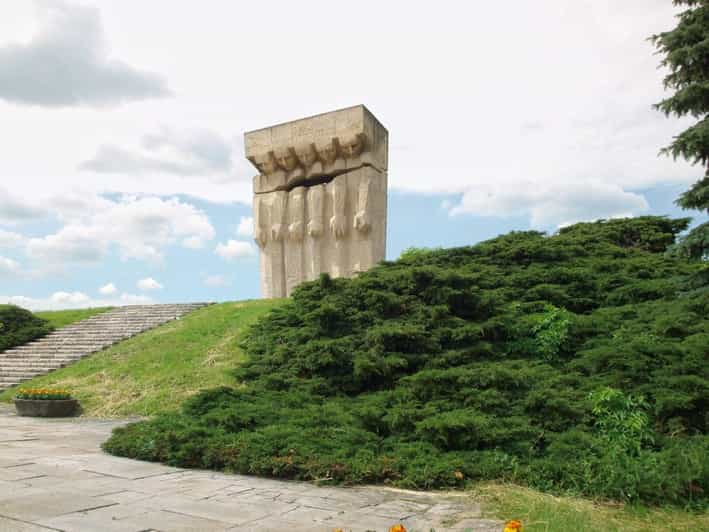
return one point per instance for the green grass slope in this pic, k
(157, 370)
(575, 363)
(62, 318)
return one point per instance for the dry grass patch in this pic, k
(541, 512)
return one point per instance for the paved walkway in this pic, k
(53, 476)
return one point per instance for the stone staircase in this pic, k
(78, 340)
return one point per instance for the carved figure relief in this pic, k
(294, 259)
(337, 190)
(272, 258)
(315, 229)
(362, 225)
(319, 198)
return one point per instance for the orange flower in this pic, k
(397, 528)
(513, 526)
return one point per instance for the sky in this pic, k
(122, 175)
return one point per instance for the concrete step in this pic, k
(66, 345)
(50, 353)
(60, 347)
(16, 378)
(50, 350)
(103, 327)
(39, 366)
(12, 373)
(36, 361)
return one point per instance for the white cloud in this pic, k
(148, 284)
(215, 280)
(184, 153)
(67, 64)
(108, 289)
(14, 210)
(551, 205)
(20, 301)
(235, 249)
(193, 242)
(73, 243)
(63, 300)
(9, 267)
(134, 299)
(138, 227)
(246, 226)
(9, 239)
(524, 111)
(69, 298)
(528, 109)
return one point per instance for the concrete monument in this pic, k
(320, 198)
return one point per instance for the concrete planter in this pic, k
(46, 407)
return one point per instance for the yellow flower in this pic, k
(397, 528)
(513, 526)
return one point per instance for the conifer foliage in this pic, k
(577, 362)
(686, 55)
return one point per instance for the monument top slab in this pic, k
(350, 120)
(342, 134)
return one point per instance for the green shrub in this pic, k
(522, 358)
(19, 326)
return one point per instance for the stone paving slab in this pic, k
(54, 476)
(11, 525)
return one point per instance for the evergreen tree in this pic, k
(686, 55)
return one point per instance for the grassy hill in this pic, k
(156, 371)
(572, 363)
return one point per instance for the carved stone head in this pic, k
(307, 154)
(352, 147)
(287, 159)
(266, 165)
(330, 152)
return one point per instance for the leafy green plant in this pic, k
(551, 332)
(621, 419)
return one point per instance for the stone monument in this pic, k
(320, 198)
